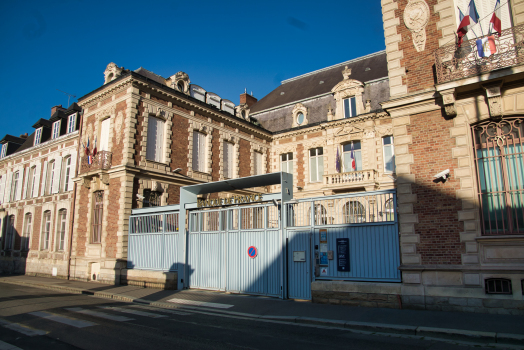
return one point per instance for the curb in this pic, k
(433, 332)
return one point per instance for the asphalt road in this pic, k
(32, 318)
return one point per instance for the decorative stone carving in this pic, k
(86, 182)
(299, 108)
(180, 81)
(119, 120)
(416, 18)
(494, 94)
(112, 72)
(330, 115)
(345, 89)
(368, 106)
(448, 98)
(242, 111)
(104, 178)
(109, 111)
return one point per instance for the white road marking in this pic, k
(176, 312)
(200, 303)
(7, 346)
(22, 329)
(100, 314)
(134, 312)
(62, 319)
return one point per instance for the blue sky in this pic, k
(223, 46)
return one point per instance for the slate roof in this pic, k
(308, 85)
(13, 139)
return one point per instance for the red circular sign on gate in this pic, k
(252, 252)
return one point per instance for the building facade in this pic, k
(412, 155)
(457, 128)
(36, 193)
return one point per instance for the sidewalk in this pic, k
(483, 328)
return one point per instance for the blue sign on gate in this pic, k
(252, 252)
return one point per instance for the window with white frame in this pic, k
(389, 154)
(61, 232)
(46, 230)
(316, 164)
(155, 139)
(71, 123)
(50, 177)
(350, 107)
(352, 156)
(66, 170)
(56, 129)
(229, 165)
(258, 166)
(28, 224)
(3, 152)
(31, 182)
(38, 137)
(199, 151)
(286, 162)
(9, 233)
(14, 185)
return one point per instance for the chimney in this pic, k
(56, 108)
(23, 136)
(248, 99)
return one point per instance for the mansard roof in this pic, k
(13, 139)
(320, 82)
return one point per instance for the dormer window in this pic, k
(4, 150)
(180, 86)
(350, 107)
(56, 129)
(38, 137)
(300, 118)
(71, 123)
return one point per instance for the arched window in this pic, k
(320, 217)
(61, 229)
(46, 230)
(28, 226)
(354, 212)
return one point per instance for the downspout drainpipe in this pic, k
(74, 198)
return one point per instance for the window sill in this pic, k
(155, 162)
(501, 238)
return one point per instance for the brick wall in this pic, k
(436, 205)
(215, 155)
(112, 217)
(173, 194)
(244, 154)
(180, 143)
(300, 165)
(82, 232)
(37, 224)
(418, 65)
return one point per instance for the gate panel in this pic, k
(373, 252)
(259, 275)
(299, 274)
(206, 260)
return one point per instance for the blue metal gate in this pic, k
(299, 267)
(219, 241)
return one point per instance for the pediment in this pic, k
(347, 84)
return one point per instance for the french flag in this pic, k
(486, 46)
(470, 19)
(495, 19)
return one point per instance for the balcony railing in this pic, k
(359, 177)
(453, 62)
(102, 161)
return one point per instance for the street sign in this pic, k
(252, 252)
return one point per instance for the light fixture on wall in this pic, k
(177, 170)
(140, 197)
(442, 176)
(300, 188)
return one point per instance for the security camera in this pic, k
(140, 197)
(444, 175)
(275, 202)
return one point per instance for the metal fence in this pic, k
(153, 240)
